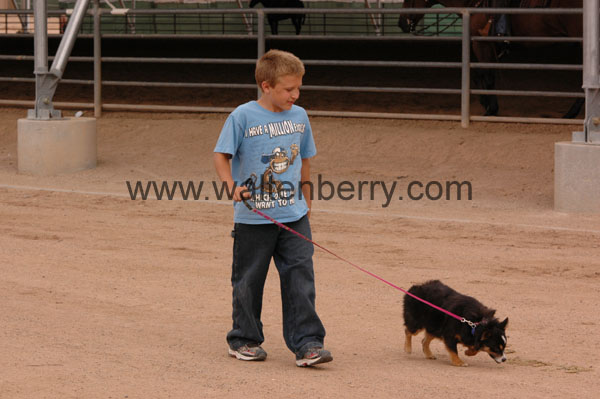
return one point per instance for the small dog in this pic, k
(488, 336)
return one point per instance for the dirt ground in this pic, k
(105, 297)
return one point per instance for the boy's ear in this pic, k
(264, 86)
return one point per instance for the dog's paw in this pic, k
(470, 352)
(432, 357)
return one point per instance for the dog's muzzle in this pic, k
(499, 359)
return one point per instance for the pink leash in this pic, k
(461, 319)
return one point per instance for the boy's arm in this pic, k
(305, 178)
(223, 169)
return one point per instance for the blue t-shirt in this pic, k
(268, 147)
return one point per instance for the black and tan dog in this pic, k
(488, 336)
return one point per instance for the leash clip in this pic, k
(471, 324)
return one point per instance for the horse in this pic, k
(297, 19)
(521, 25)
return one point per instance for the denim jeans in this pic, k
(253, 248)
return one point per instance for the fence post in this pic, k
(465, 106)
(40, 38)
(97, 62)
(591, 71)
(261, 39)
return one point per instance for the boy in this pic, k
(270, 142)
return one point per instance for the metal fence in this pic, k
(255, 20)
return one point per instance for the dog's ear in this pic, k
(490, 314)
(504, 324)
(485, 335)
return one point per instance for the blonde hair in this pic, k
(275, 64)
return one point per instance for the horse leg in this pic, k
(297, 21)
(486, 78)
(575, 109)
(484, 100)
(273, 24)
(489, 83)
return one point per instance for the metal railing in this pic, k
(258, 34)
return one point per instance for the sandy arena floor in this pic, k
(105, 297)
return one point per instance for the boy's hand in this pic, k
(224, 171)
(241, 193)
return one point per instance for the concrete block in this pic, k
(576, 177)
(51, 147)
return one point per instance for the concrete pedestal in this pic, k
(577, 177)
(51, 147)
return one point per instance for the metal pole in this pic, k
(43, 97)
(47, 81)
(40, 38)
(245, 18)
(28, 7)
(26, 20)
(23, 21)
(591, 65)
(261, 39)
(128, 22)
(373, 21)
(379, 16)
(465, 106)
(97, 62)
(68, 40)
(590, 44)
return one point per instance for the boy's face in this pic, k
(284, 94)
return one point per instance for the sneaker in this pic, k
(248, 352)
(314, 356)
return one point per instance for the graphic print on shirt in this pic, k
(270, 189)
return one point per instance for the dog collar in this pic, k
(471, 324)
